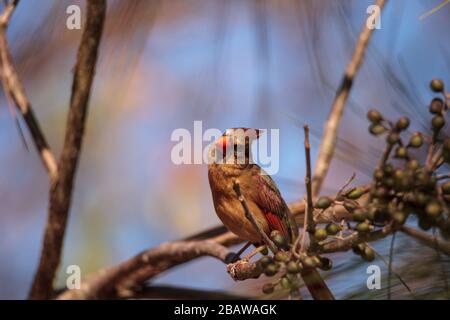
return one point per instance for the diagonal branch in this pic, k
(61, 188)
(15, 91)
(328, 143)
(427, 239)
(115, 282)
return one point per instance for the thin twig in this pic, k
(310, 226)
(393, 271)
(328, 143)
(15, 92)
(251, 218)
(61, 188)
(443, 269)
(391, 255)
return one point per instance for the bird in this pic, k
(230, 160)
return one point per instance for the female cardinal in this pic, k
(231, 160)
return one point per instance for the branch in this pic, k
(355, 238)
(115, 282)
(427, 239)
(14, 90)
(179, 293)
(328, 144)
(310, 226)
(61, 188)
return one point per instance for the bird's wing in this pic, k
(269, 200)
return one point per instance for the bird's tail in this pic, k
(315, 284)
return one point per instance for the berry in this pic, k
(374, 115)
(355, 193)
(433, 209)
(363, 227)
(446, 187)
(359, 215)
(437, 85)
(293, 267)
(271, 270)
(320, 234)
(437, 122)
(436, 106)
(268, 288)
(281, 256)
(376, 129)
(416, 140)
(332, 229)
(368, 254)
(402, 123)
(323, 202)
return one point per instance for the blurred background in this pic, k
(229, 63)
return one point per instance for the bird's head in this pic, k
(234, 145)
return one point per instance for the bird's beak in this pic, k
(223, 143)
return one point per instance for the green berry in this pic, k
(355, 193)
(433, 209)
(399, 217)
(281, 256)
(332, 229)
(293, 267)
(368, 254)
(437, 85)
(268, 288)
(436, 106)
(413, 164)
(323, 202)
(437, 122)
(265, 261)
(402, 123)
(376, 129)
(359, 215)
(280, 241)
(388, 169)
(374, 115)
(309, 262)
(285, 283)
(416, 140)
(320, 234)
(359, 248)
(378, 174)
(363, 227)
(446, 187)
(401, 153)
(271, 270)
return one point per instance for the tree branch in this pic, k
(120, 281)
(328, 143)
(61, 188)
(427, 239)
(14, 90)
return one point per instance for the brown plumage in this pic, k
(230, 160)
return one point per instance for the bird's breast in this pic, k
(230, 210)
